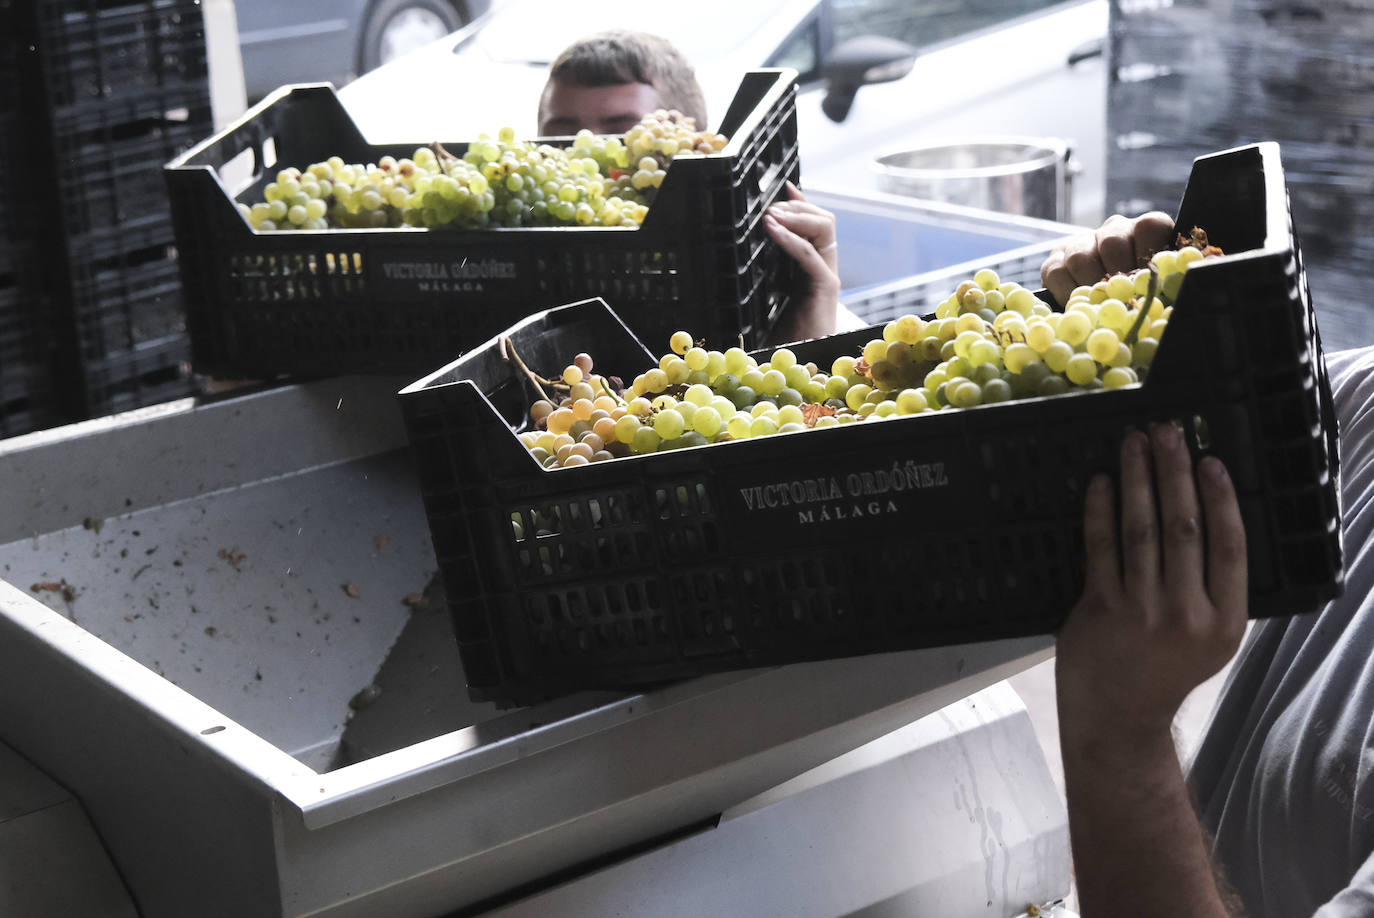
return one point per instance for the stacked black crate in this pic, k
(110, 91)
(27, 398)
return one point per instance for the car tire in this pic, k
(394, 27)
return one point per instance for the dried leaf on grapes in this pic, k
(1198, 240)
(815, 411)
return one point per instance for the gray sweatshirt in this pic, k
(1284, 777)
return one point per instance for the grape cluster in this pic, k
(988, 342)
(661, 136)
(495, 183)
(670, 133)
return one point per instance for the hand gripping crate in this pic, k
(382, 300)
(935, 529)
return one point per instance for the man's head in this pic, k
(606, 82)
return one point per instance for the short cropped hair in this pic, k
(620, 56)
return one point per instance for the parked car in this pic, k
(309, 40)
(874, 74)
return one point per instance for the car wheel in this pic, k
(394, 27)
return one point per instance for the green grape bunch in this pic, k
(988, 342)
(497, 182)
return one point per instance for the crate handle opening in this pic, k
(240, 171)
(769, 176)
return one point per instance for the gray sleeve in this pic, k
(1356, 900)
(1353, 387)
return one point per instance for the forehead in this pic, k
(589, 103)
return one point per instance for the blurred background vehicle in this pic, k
(875, 75)
(309, 40)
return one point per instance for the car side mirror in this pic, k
(859, 62)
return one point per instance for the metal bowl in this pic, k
(1028, 176)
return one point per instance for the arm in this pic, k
(807, 233)
(1163, 608)
(1119, 244)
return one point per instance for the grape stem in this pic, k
(609, 390)
(1144, 310)
(442, 154)
(509, 353)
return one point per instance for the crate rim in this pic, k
(427, 384)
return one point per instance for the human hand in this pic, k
(806, 232)
(1164, 599)
(1119, 244)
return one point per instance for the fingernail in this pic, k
(1136, 443)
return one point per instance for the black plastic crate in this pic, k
(109, 178)
(97, 52)
(339, 300)
(860, 538)
(95, 96)
(125, 303)
(9, 71)
(27, 399)
(108, 91)
(16, 326)
(147, 374)
(14, 222)
(128, 325)
(27, 402)
(28, 396)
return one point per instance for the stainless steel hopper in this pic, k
(198, 597)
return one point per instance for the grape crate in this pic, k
(937, 528)
(403, 298)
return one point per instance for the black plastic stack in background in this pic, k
(27, 399)
(105, 92)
